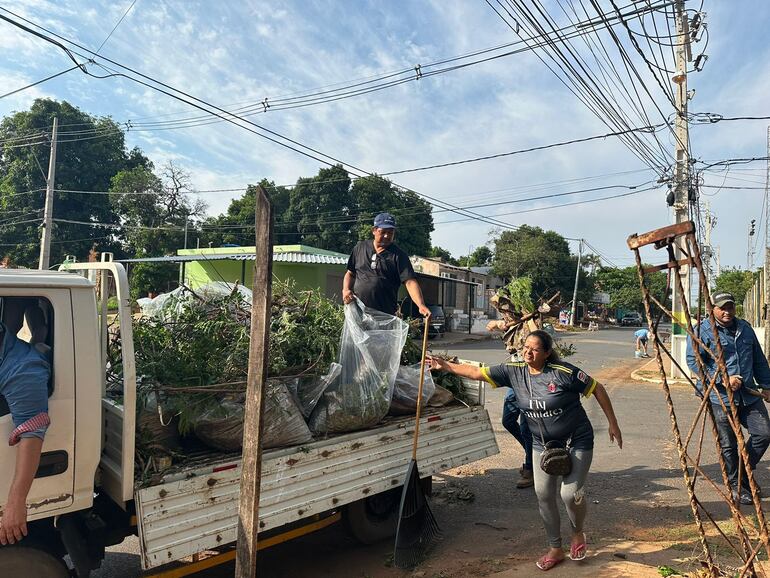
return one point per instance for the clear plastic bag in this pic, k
(370, 351)
(310, 389)
(407, 385)
(222, 426)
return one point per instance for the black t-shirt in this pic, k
(550, 400)
(379, 275)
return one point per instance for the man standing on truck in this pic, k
(377, 268)
(24, 375)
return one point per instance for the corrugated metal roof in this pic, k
(280, 257)
(296, 257)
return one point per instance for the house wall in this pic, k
(328, 278)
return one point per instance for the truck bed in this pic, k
(195, 507)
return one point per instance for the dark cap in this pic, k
(721, 298)
(385, 221)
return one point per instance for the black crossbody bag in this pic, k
(555, 459)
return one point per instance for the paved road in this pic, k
(639, 487)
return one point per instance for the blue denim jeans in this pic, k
(755, 419)
(516, 424)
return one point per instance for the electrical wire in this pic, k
(46, 79)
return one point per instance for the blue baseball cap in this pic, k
(385, 221)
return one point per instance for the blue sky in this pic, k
(236, 53)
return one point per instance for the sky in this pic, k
(236, 54)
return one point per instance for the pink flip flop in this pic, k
(545, 563)
(578, 551)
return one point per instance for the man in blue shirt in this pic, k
(747, 369)
(642, 336)
(24, 375)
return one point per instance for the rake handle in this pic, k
(419, 388)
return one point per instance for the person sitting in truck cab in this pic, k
(24, 376)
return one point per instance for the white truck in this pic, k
(85, 498)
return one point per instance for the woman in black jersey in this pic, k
(548, 392)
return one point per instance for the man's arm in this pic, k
(13, 525)
(347, 287)
(413, 288)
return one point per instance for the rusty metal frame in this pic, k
(681, 237)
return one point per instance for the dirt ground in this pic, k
(639, 517)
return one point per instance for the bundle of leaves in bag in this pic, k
(370, 351)
(221, 427)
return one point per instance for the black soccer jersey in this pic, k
(550, 400)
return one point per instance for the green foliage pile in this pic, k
(193, 357)
(519, 293)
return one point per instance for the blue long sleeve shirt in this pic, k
(743, 356)
(24, 374)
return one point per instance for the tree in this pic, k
(443, 254)
(236, 226)
(481, 257)
(320, 208)
(83, 163)
(374, 194)
(545, 257)
(325, 211)
(622, 285)
(153, 213)
(735, 281)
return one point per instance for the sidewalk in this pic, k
(650, 372)
(452, 338)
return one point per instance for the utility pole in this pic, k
(766, 286)
(707, 251)
(750, 248)
(574, 291)
(45, 239)
(681, 183)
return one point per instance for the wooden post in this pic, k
(251, 464)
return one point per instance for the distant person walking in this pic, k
(642, 336)
(377, 268)
(549, 391)
(747, 369)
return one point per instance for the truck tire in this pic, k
(29, 561)
(375, 518)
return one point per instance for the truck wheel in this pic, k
(375, 518)
(27, 561)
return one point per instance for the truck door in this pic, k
(46, 322)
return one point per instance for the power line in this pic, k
(46, 79)
(114, 28)
(276, 103)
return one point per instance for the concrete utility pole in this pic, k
(767, 253)
(750, 247)
(45, 239)
(707, 251)
(681, 182)
(573, 312)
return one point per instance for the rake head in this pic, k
(417, 530)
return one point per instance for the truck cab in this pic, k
(64, 482)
